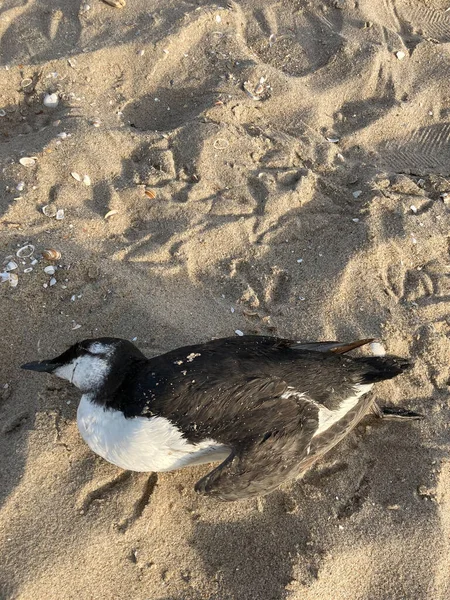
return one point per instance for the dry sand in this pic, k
(243, 189)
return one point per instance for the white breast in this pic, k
(141, 443)
(327, 417)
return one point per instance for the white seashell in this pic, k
(76, 326)
(4, 277)
(333, 140)
(377, 349)
(27, 161)
(110, 214)
(413, 208)
(49, 210)
(400, 55)
(51, 100)
(2, 112)
(96, 122)
(76, 175)
(87, 180)
(13, 279)
(20, 186)
(11, 266)
(50, 270)
(28, 270)
(25, 251)
(357, 194)
(60, 214)
(355, 220)
(299, 260)
(52, 281)
(239, 332)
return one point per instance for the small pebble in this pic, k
(413, 208)
(51, 100)
(400, 55)
(50, 270)
(76, 175)
(239, 332)
(357, 194)
(52, 281)
(60, 214)
(377, 349)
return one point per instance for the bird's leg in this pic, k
(395, 413)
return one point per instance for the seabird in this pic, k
(267, 408)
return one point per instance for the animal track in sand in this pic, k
(426, 284)
(123, 484)
(299, 48)
(141, 503)
(16, 422)
(355, 503)
(87, 498)
(25, 115)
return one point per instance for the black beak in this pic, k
(44, 366)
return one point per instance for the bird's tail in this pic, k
(379, 368)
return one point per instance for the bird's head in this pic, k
(91, 365)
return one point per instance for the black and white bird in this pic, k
(266, 407)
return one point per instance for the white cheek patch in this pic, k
(85, 372)
(66, 371)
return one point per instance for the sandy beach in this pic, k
(277, 168)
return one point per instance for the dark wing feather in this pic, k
(258, 466)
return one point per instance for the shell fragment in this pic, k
(49, 210)
(27, 161)
(25, 251)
